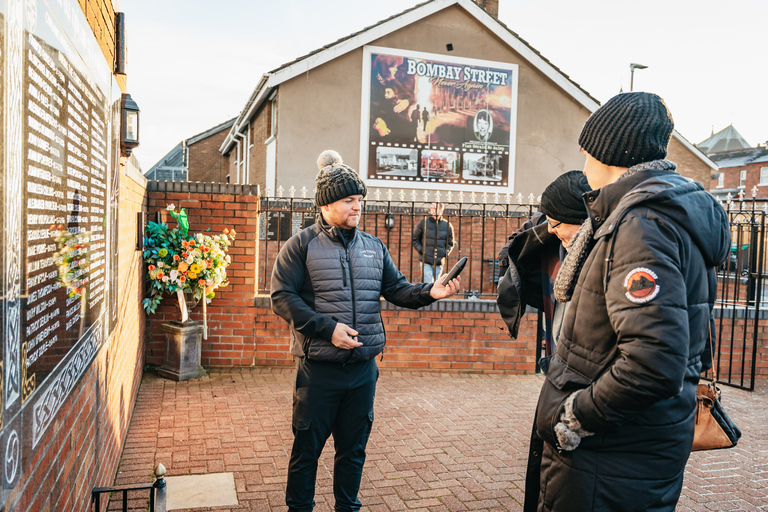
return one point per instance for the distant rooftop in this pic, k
(727, 139)
(174, 166)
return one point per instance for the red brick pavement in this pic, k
(441, 442)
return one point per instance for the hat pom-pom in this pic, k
(328, 157)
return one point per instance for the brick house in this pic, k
(741, 170)
(302, 108)
(196, 158)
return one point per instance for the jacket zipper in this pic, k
(351, 289)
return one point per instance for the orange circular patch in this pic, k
(641, 285)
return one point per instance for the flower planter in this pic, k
(183, 344)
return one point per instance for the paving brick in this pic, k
(440, 443)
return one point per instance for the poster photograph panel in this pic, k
(437, 122)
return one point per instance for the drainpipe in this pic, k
(241, 157)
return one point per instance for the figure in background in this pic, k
(433, 240)
(327, 283)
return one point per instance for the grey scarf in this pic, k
(579, 249)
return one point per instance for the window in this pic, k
(721, 180)
(764, 175)
(742, 178)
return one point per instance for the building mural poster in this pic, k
(436, 122)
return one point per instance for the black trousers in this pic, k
(330, 399)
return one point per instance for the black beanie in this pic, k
(335, 180)
(631, 128)
(562, 200)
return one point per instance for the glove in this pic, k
(568, 430)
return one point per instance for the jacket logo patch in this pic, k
(368, 253)
(642, 285)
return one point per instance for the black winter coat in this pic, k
(320, 278)
(634, 340)
(424, 236)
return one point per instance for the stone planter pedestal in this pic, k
(183, 344)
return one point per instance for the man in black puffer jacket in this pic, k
(433, 240)
(617, 408)
(327, 283)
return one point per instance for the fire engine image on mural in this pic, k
(438, 122)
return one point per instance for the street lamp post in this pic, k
(632, 68)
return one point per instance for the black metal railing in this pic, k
(157, 492)
(482, 228)
(479, 230)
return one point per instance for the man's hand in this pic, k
(439, 291)
(345, 337)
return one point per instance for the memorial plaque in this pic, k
(58, 213)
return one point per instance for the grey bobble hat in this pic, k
(335, 180)
(562, 199)
(630, 128)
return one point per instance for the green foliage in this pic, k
(176, 260)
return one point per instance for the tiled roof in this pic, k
(740, 157)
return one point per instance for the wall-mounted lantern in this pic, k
(389, 221)
(129, 125)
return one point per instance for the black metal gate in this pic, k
(741, 297)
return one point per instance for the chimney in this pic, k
(492, 6)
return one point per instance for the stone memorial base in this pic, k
(183, 344)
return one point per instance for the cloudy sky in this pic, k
(192, 64)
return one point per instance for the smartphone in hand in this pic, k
(455, 271)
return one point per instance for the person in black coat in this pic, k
(617, 407)
(433, 240)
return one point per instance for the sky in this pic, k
(193, 64)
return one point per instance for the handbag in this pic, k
(714, 428)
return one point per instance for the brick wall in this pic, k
(206, 163)
(732, 179)
(260, 133)
(688, 164)
(82, 448)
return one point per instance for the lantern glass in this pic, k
(131, 126)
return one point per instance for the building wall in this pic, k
(82, 447)
(688, 164)
(318, 111)
(260, 133)
(206, 163)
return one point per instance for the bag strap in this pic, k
(713, 385)
(712, 352)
